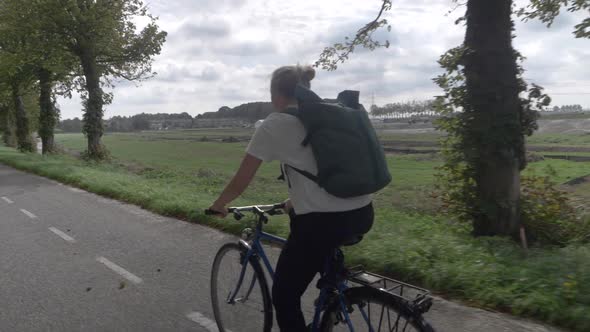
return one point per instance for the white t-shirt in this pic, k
(279, 138)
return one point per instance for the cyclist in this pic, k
(319, 222)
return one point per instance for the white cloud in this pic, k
(222, 52)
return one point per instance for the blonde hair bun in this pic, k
(307, 73)
(285, 79)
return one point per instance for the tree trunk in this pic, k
(8, 126)
(47, 114)
(93, 113)
(23, 133)
(492, 91)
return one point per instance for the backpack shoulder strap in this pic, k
(307, 174)
(305, 95)
(285, 177)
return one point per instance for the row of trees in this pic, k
(136, 122)
(56, 47)
(404, 109)
(250, 112)
(115, 124)
(568, 108)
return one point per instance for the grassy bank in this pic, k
(408, 240)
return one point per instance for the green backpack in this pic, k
(349, 157)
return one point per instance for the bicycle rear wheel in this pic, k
(370, 309)
(240, 302)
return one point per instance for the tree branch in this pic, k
(339, 53)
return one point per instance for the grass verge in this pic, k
(552, 284)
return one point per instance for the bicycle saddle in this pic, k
(352, 241)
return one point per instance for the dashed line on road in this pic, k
(76, 190)
(29, 214)
(119, 270)
(205, 322)
(63, 235)
(7, 200)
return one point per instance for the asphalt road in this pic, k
(74, 261)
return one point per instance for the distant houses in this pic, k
(221, 123)
(171, 124)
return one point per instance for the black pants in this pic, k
(313, 238)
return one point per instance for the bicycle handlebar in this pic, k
(260, 210)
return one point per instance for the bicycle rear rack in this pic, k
(418, 298)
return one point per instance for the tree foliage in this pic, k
(82, 44)
(104, 37)
(568, 108)
(483, 109)
(250, 112)
(38, 50)
(16, 77)
(465, 146)
(7, 122)
(547, 10)
(462, 146)
(340, 52)
(403, 109)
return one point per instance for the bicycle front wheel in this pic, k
(239, 292)
(371, 310)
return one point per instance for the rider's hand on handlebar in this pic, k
(288, 206)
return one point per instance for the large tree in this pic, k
(103, 36)
(43, 51)
(16, 79)
(495, 144)
(485, 149)
(7, 122)
(486, 143)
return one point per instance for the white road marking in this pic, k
(62, 235)
(121, 271)
(76, 190)
(205, 322)
(7, 200)
(29, 214)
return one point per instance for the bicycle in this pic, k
(339, 306)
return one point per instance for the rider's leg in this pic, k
(298, 264)
(313, 238)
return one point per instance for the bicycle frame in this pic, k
(255, 248)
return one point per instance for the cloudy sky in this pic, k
(222, 52)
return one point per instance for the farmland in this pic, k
(413, 163)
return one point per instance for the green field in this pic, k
(568, 116)
(561, 140)
(175, 174)
(148, 154)
(156, 154)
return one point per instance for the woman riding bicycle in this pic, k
(320, 222)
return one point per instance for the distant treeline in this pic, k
(250, 112)
(404, 109)
(245, 113)
(136, 122)
(568, 108)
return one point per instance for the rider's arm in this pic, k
(239, 183)
(288, 205)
